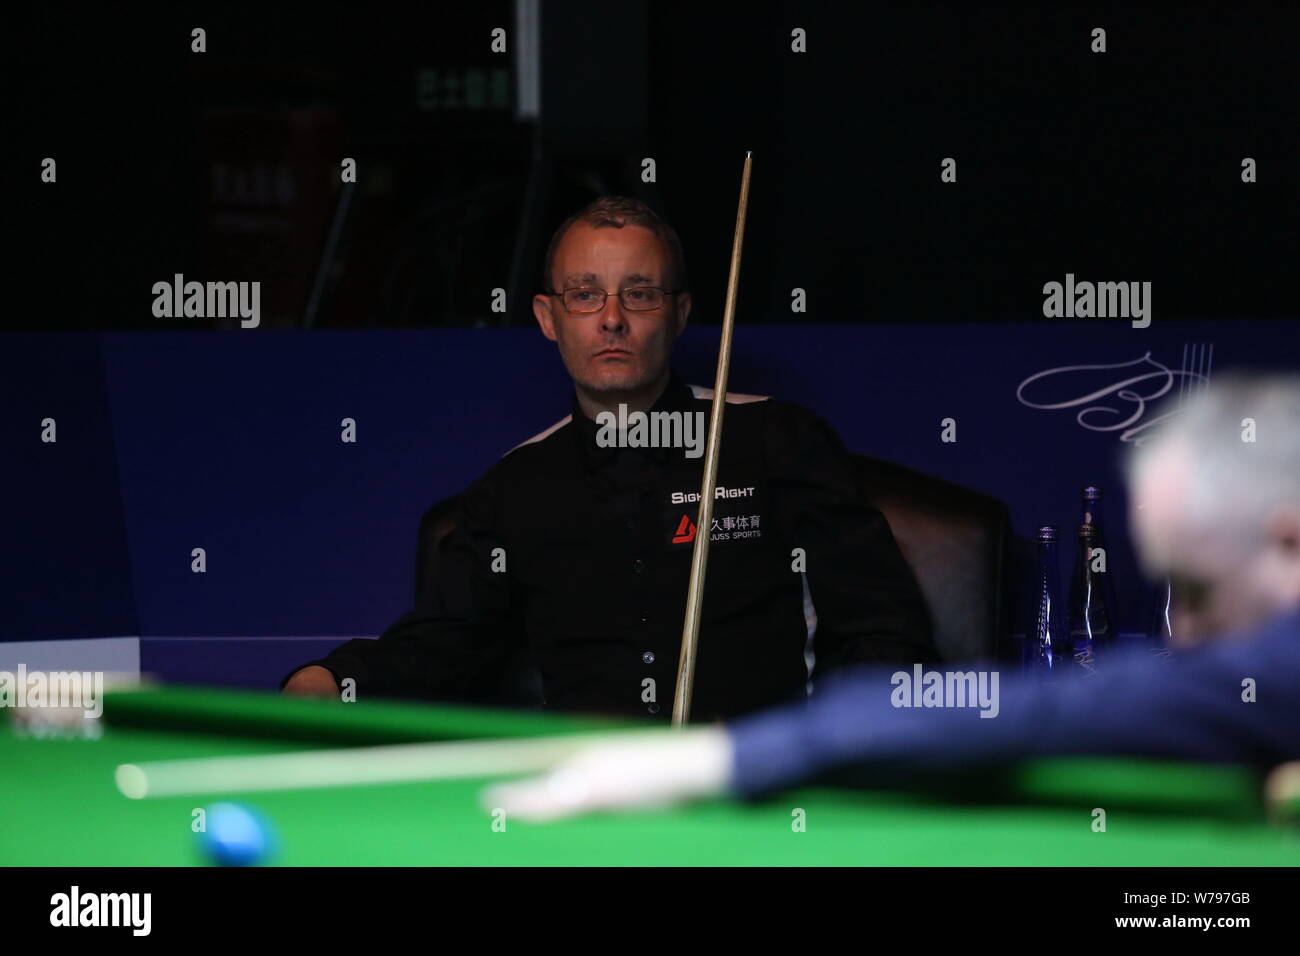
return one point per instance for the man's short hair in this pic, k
(615, 212)
(1242, 436)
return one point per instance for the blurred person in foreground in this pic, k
(1215, 506)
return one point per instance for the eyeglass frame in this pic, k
(607, 294)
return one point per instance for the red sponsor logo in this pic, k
(685, 531)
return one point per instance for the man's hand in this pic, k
(635, 774)
(313, 681)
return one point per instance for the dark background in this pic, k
(224, 165)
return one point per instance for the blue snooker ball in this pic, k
(235, 835)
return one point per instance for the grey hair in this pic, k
(1242, 440)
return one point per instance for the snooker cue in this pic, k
(356, 766)
(704, 524)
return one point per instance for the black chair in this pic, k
(954, 539)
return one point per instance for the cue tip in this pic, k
(132, 781)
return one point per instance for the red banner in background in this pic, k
(270, 184)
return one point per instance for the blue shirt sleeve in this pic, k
(1196, 706)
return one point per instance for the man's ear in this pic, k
(542, 310)
(683, 311)
(1282, 527)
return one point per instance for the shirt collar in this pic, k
(676, 396)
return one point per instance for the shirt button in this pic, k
(653, 708)
(648, 657)
(638, 565)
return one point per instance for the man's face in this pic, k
(614, 349)
(1223, 579)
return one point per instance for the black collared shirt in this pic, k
(583, 553)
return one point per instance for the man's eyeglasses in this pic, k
(642, 298)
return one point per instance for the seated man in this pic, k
(1218, 514)
(580, 539)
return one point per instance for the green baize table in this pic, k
(59, 805)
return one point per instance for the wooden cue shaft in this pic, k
(704, 524)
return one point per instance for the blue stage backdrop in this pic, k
(230, 442)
